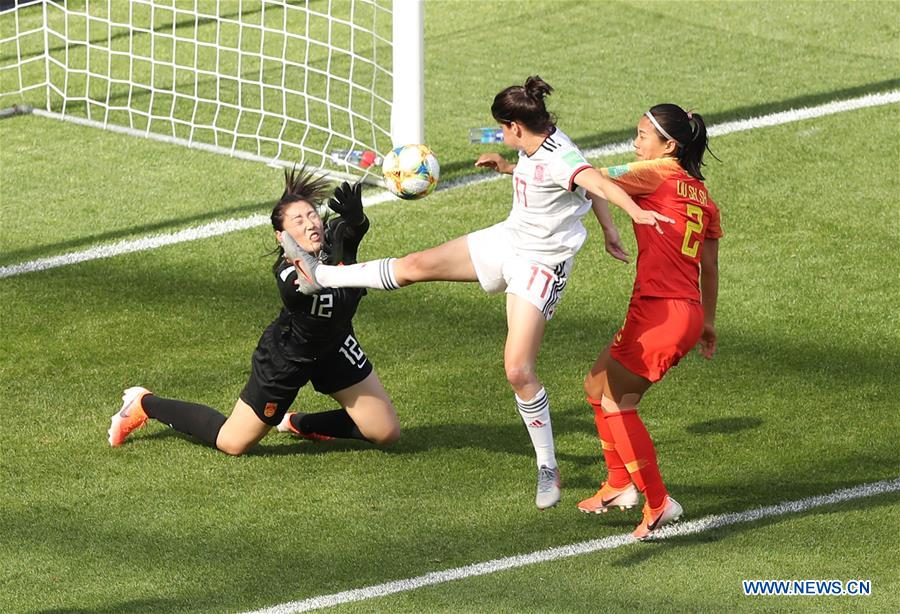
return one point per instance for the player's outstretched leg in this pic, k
(449, 261)
(305, 263)
(313, 276)
(130, 417)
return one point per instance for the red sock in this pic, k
(617, 473)
(636, 449)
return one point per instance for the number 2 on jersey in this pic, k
(691, 244)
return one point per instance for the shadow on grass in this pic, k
(159, 604)
(454, 328)
(460, 328)
(724, 426)
(205, 217)
(269, 446)
(653, 548)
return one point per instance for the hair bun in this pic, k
(537, 88)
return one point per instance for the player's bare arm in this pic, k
(495, 162)
(595, 183)
(611, 236)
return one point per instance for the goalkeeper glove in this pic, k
(347, 202)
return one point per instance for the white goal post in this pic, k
(317, 82)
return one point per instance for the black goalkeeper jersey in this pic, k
(313, 324)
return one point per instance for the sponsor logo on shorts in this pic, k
(270, 409)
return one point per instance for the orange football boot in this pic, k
(667, 513)
(608, 496)
(130, 417)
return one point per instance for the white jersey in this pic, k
(545, 221)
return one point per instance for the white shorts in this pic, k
(500, 268)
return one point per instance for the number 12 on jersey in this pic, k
(322, 305)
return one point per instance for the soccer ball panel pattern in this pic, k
(411, 171)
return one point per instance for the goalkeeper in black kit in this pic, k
(311, 340)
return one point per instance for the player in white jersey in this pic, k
(545, 220)
(528, 256)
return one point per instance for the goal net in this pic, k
(276, 81)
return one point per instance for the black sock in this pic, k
(335, 423)
(190, 418)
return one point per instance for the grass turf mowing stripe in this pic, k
(708, 523)
(223, 227)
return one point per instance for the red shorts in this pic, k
(656, 334)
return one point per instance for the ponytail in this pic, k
(525, 104)
(537, 88)
(688, 130)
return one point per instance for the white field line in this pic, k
(708, 523)
(223, 227)
(124, 247)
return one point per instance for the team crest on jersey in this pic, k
(539, 172)
(270, 409)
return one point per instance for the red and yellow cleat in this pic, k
(608, 496)
(129, 418)
(667, 513)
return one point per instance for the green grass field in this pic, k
(801, 399)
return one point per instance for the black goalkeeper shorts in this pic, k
(275, 379)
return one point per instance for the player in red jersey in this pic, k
(672, 308)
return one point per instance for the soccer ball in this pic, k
(411, 171)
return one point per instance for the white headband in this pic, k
(660, 128)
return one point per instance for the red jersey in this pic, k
(668, 264)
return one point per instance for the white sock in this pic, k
(536, 416)
(377, 274)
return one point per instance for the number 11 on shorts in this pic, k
(548, 277)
